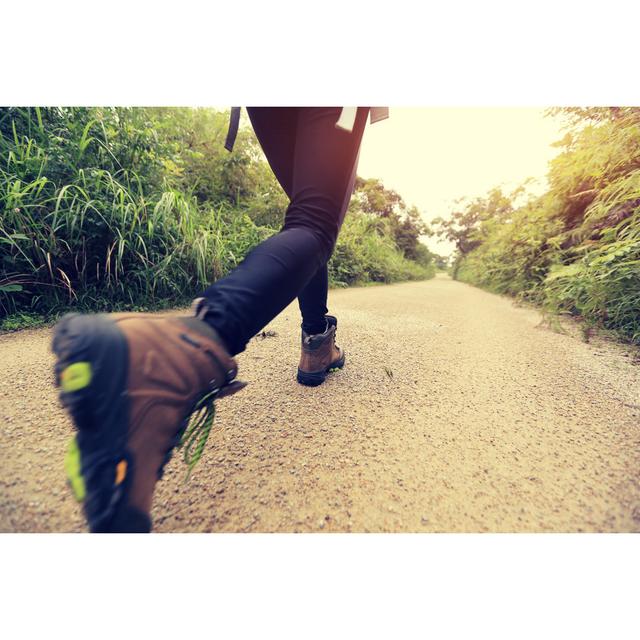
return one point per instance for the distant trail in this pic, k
(456, 411)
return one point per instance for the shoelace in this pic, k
(199, 427)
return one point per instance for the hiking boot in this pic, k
(131, 383)
(320, 355)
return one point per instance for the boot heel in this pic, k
(91, 373)
(311, 379)
(73, 368)
(90, 351)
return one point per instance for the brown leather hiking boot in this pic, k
(320, 355)
(131, 383)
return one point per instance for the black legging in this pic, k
(315, 162)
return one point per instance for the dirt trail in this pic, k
(456, 411)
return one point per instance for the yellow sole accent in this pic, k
(76, 376)
(72, 466)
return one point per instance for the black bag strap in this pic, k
(234, 122)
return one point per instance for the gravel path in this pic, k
(457, 411)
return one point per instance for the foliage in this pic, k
(404, 224)
(365, 252)
(576, 248)
(21, 321)
(441, 263)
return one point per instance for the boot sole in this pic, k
(91, 372)
(317, 378)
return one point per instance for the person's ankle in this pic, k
(315, 329)
(199, 322)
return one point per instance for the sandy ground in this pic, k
(457, 411)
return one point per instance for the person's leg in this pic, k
(313, 298)
(276, 129)
(275, 271)
(313, 302)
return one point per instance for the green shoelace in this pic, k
(198, 429)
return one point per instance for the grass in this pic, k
(19, 321)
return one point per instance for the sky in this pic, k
(432, 156)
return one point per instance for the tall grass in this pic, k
(103, 239)
(602, 283)
(70, 247)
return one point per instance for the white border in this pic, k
(319, 586)
(403, 53)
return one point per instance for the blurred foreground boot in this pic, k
(131, 383)
(320, 355)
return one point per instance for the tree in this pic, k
(405, 223)
(464, 224)
(374, 198)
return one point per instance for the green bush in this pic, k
(365, 252)
(576, 249)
